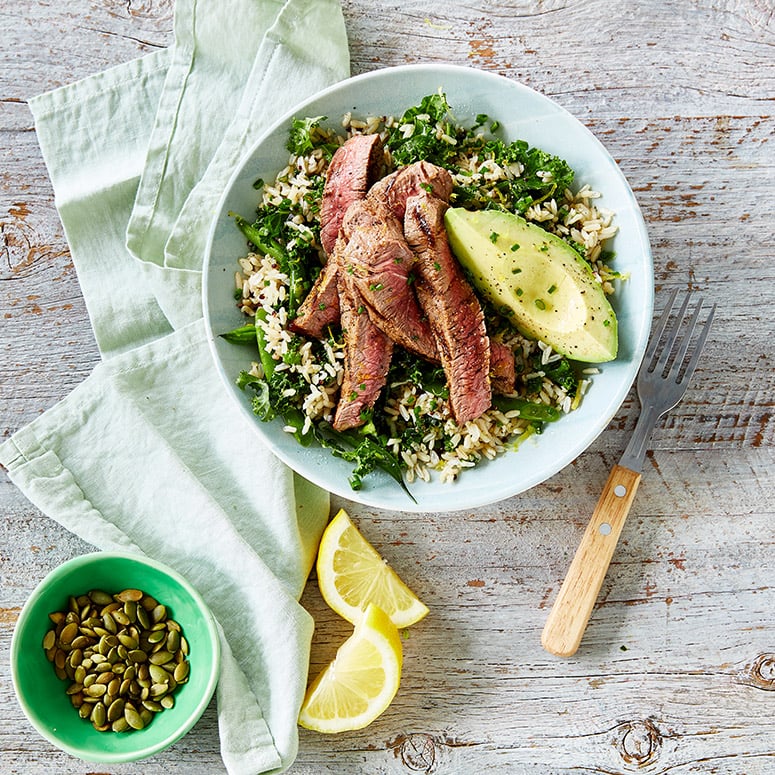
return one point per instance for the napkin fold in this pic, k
(149, 454)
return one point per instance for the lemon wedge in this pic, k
(351, 574)
(361, 681)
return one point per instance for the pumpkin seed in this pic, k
(168, 701)
(127, 640)
(158, 674)
(173, 641)
(116, 709)
(130, 609)
(133, 718)
(181, 672)
(69, 632)
(99, 597)
(121, 617)
(81, 642)
(160, 657)
(158, 690)
(50, 639)
(129, 595)
(142, 617)
(120, 725)
(95, 690)
(98, 715)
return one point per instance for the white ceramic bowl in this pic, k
(523, 114)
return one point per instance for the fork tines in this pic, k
(668, 361)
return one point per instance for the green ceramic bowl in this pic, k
(42, 694)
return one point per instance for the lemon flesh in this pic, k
(351, 574)
(362, 680)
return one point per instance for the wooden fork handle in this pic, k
(571, 610)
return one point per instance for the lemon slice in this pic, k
(351, 574)
(361, 681)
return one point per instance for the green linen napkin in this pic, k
(150, 454)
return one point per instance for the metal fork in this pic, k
(662, 381)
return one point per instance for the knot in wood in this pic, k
(638, 742)
(417, 751)
(760, 673)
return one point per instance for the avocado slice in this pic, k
(537, 280)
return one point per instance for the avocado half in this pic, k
(537, 280)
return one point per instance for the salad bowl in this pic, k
(521, 113)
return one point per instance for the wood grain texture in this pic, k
(676, 673)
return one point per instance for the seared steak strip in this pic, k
(353, 168)
(320, 308)
(452, 308)
(503, 378)
(375, 266)
(413, 179)
(367, 359)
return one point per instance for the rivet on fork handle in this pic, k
(570, 613)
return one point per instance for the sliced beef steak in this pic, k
(367, 359)
(320, 308)
(452, 308)
(411, 180)
(503, 377)
(353, 169)
(375, 266)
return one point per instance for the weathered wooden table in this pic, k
(677, 671)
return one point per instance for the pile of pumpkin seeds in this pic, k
(122, 656)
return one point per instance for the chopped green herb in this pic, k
(540, 304)
(494, 237)
(515, 247)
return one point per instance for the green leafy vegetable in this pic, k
(424, 132)
(241, 335)
(272, 236)
(365, 450)
(528, 410)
